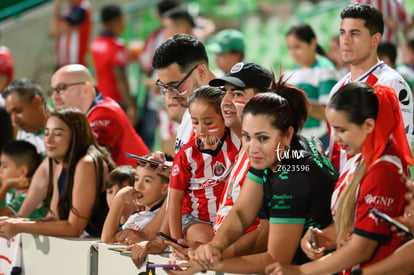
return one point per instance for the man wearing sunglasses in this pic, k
(182, 66)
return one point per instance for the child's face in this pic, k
(111, 192)
(9, 169)
(208, 125)
(151, 190)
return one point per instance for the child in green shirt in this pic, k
(18, 160)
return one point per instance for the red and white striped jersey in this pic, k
(201, 174)
(232, 190)
(344, 179)
(380, 74)
(71, 47)
(380, 188)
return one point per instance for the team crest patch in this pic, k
(237, 67)
(218, 169)
(175, 170)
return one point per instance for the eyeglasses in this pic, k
(174, 89)
(61, 87)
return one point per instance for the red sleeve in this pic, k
(382, 189)
(181, 172)
(105, 127)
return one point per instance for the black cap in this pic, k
(245, 75)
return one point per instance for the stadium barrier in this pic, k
(46, 255)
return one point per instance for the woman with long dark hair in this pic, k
(77, 168)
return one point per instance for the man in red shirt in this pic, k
(111, 58)
(72, 86)
(71, 28)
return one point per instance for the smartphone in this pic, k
(313, 241)
(401, 227)
(168, 238)
(145, 160)
(166, 266)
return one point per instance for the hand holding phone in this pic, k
(146, 160)
(313, 242)
(168, 238)
(400, 227)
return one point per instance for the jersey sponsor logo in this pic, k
(379, 200)
(283, 175)
(175, 170)
(207, 183)
(403, 97)
(100, 123)
(178, 144)
(99, 46)
(218, 169)
(281, 201)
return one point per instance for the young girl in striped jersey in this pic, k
(201, 168)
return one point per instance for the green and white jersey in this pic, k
(36, 139)
(17, 202)
(316, 81)
(7, 199)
